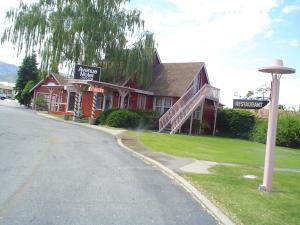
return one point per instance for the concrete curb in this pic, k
(197, 195)
(215, 211)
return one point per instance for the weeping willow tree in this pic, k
(92, 32)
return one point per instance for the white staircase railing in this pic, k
(180, 112)
(206, 92)
(166, 118)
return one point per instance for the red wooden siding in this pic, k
(174, 100)
(115, 99)
(133, 101)
(203, 78)
(208, 116)
(62, 94)
(87, 102)
(149, 102)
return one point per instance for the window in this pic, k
(141, 101)
(99, 100)
(44, 96)
(163, 104)
(54, 100)
(198, 113)
(71, 103)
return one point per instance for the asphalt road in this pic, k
(63, 174)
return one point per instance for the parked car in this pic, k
(2, 96)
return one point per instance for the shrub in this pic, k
(40, 104)
(235, 123)
(103, 116)
(25, 97)
(288, 131)
(123, 118)
(149, 118)
(259, 131)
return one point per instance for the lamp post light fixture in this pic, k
(276, 70)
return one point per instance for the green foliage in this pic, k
(288, 130)
(27, 72)
(148, 118)
(90, 32)
(259, 132)
(103, 116)
(25, 95)
(123, 118)
(235, 123)
(239, 197)
(40, 104)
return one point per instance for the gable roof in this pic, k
(172, 79)
(61, 80)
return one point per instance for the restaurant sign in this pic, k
(83, 72)
(249, 104)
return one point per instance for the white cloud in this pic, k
(278, 20)
(218, 32)
(290, 9)
(269, 34)
(294, 43)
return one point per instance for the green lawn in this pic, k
(236, 196)
(218, 149)
(240, 198)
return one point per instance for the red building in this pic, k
(180, 92)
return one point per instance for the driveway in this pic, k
(57, 173)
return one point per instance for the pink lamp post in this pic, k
(276, 70)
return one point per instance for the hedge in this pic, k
(103, 116)
(235, 123)
(288, 131)
(146, 119)
(123, 118)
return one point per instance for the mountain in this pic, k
(8, 72)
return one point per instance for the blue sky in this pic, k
(233, 37)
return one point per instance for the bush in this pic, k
(149, 118)
(260, 130)
(288, 131)
(25, 97)
(41, 104)
(235, 123)
(103, 116)
(123, 118)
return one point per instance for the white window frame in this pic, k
(99, 99)
(141, 101)
(163, 107)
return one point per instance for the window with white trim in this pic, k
(46, 97)
(197, 113)
(99, 100)
(141, 101)
(163, 104)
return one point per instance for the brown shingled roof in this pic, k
(172, 79)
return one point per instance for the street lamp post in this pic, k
(276, 70)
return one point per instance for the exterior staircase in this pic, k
(176, 116)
